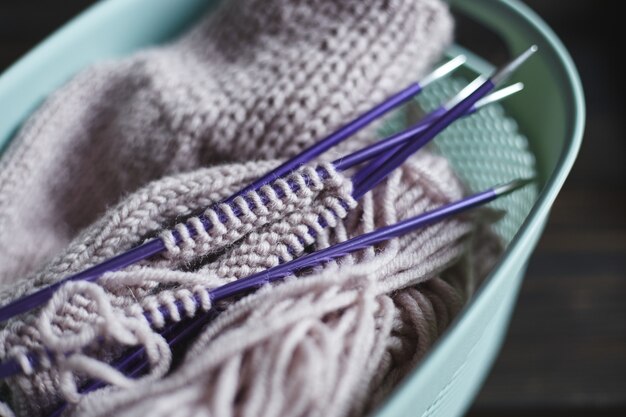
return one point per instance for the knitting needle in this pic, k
(363, 241)
(320, 257)
(380, 167)
(155, 246)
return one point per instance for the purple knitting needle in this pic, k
(155, 246)
(317, 258)
(377, 171)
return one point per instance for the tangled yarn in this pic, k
(393, 303)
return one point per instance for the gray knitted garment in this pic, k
(128, 148)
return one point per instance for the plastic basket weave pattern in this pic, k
(485, 149)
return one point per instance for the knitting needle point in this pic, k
(465, 92)
(379, 168)
(506, 71)
(400, 138)
(443, 70)
(509, 187)
(499, 95)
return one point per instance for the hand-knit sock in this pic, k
(258, 79)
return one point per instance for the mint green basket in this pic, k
(549, 113)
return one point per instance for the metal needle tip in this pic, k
(465, 92)
(443, 70)
(514, 185)
(499, 95)
(512, 66)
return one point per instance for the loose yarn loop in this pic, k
(81, 314)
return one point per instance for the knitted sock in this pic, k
(258, 79)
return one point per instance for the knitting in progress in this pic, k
(130, 148)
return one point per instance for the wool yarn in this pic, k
(175, 129)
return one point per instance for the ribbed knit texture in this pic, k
(255, 82)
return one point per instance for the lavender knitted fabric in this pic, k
(125, 149)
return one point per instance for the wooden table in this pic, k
(565, 354)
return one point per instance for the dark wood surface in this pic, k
(565, 354)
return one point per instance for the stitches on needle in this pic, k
(223, 225)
